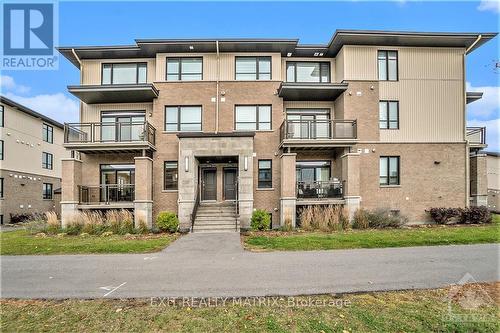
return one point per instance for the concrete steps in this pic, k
(216, 217)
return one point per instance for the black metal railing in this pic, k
(319, 190)
(318, 129)
(106, 194)
(237, 203)
(476, 135)
(109, 132)
(195, 207)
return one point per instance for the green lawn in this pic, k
(406, 311)
(351, 239)
(22, 242)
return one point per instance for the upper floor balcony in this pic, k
(115, 93)
(318, 133)
(476, 137)
(107, 136)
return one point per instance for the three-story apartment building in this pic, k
(371, 119)
(31, 148)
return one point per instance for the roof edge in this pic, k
(30, 112)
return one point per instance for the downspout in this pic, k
(217, 90)
(467, 148)
(81, 82)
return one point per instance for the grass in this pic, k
(22, 242)
(405, 311)
(352, 239)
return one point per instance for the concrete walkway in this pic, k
(216, 265)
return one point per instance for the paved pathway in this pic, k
(216, 265)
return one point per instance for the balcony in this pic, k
(102, 137)
(115, 93)
(318, 133)
(319, 192)
(476, 137)
(311, 91)
(116, 196)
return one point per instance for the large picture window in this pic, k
(47, 133)
(388, 65)
(252, 117)
(315, 72)
(183, 118)
(47, 160)
(265, 174)
(184, 69)
(170, 175)
(388, 114)
(47, 191)
(253, 68)
(124, 73)
(389, 170)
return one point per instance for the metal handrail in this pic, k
(476, 135)
(318, 129)
(106, 193)
(195, 207)
(103, 132)
(237, 204)
(319, 189)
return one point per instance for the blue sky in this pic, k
(111, 23)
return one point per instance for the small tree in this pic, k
(260, 220)
(167, 221)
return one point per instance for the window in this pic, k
(388, 114)
(265, 174)
(312, 171)
(124, 73)
(47, 133)
(252, 117)
(388, 65)
(389, 170)
(1, 150)
(170, 175)
(1, 187)
(47, 159)
(308, 72)
(183, 118)
(1, 116)
(47, 191)
(184, 69)
(253, 68)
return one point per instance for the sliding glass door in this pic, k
(123, 127)
(117, 182)
(308, 123)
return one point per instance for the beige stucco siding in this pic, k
(92, 112)
(227, 64)
(92, 69)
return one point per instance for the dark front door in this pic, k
(230, 184)
(209, 182)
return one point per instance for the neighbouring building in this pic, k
(213, 129)
(31, 148)
(493, 176)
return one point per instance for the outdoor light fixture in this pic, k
(246, 163)
(186, 163)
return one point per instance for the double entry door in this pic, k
(209, 184)
(122, 126)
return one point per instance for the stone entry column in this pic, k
(70, 182)
(351, 182)
(478, 180)
(288, 198)
(143, 203)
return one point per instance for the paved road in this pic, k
(203, 265)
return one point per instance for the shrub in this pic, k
(143, 228)
(260, 220)
(442, 215)
(167, 221)
(74, 227)
(19, 218)
(306, 218)
(36, 226)
(384, 218)
(475, 215)
(360, 219)
(53, 225)
(93, 223)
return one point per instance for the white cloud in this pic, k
(487, 106)
(8, 83)
(56, 106)
(492, 5)
(492, 132)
